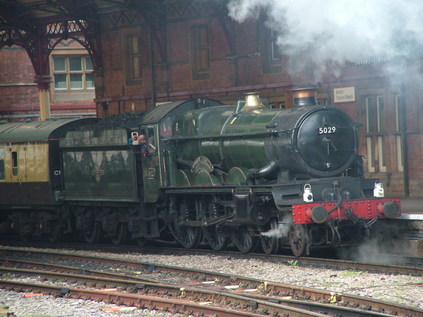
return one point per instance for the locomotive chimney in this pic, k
(252, 101)
(304, 96)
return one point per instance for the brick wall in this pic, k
(19, 98)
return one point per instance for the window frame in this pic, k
(200, 51)
(398, 130)
(271, 54)
(375, 133)
(133, 70)
(67, 72)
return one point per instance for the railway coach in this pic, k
(31, 175)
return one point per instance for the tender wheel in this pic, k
(243, 240)
(270, 240)
(55, 233)
(188, 237)
(121, 234)
(141, 241)
(93, 236)
(298, 239)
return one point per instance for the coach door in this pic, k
(150, 165)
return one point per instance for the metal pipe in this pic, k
(153, 69)
(404, 141)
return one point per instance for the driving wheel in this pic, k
(188, 237)
(214, 234)
(298, 239)
(243, 240)
(270, 240)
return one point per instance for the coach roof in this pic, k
(38, 130)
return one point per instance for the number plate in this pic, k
(326, 130)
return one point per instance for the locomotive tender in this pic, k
(220, 173)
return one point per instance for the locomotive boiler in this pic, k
(302, 142)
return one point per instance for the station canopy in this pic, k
(22, 12)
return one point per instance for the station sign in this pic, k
(345, 94)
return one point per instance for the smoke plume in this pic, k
(314, 32)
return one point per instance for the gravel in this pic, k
(400, 289)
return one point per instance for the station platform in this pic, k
(412, 206)
(412, 214)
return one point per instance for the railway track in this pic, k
(135, 283)
(398, 264)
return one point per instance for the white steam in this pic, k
(282, 229)
(339, 31)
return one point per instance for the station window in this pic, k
(270, 50)
(72, 73)
(133, 59)
(375, 139)
(398, 129)
(200, 52)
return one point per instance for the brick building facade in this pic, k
(199, 51)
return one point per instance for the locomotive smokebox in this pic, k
(304, 96)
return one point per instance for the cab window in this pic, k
(151, 141)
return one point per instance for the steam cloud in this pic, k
(313, 32)
(282, 229)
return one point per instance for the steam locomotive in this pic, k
(241, 174)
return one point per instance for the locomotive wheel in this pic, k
(298, 239)
(141, 241)
(270, 244)
(94, 235)
(55, 233)
(188, 237)
(216, 238)
(121, 234)
(243, 240)
(214, 234)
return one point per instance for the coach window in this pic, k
(15, 164)
(2, 172)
